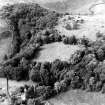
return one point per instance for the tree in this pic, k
(45, 76)
(77, 56)
(70, 40)
(5, 57)
(56, 67)
(35, 75)
(100, 54)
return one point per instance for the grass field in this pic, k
(4, 47)
(78, 97)
(53, 51)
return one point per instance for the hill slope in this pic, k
(71, 5)
(78, 97)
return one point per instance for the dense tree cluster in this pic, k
(25, 21)
(83, 71)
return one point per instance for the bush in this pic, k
(84, 41)
(99, 34)
(70, 40)
(73, 25)
(68, 27)
(5, 57)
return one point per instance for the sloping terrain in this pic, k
(4, 2)
(91, 25)
(96, 7)
(74, 6)
(58, 5)
(71, 5)
(78, 97)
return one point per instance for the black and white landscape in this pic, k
(52, 52)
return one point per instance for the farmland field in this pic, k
(53, 51)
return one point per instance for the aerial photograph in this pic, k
(52, 52)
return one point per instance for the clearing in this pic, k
(50, 52)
